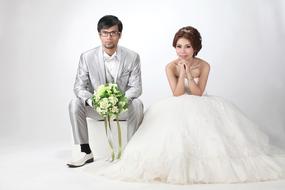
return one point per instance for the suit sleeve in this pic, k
(82, 81)
(135, 81)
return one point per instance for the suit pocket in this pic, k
(123, 79)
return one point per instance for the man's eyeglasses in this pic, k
(106, 34)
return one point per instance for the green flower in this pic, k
(115, 110)
(113, 100)
(104, 104)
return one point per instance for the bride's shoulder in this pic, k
(204, 64)
(171, 65)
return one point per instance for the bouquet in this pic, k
(109, 102)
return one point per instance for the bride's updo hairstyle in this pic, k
(192, 34)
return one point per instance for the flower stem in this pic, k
(107, 124)
(119, 138)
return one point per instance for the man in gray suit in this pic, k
(108, 63)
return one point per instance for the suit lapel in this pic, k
(102, 70)
(121, 56)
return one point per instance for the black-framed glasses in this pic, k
(113, 33)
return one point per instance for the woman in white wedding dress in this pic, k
(195, 138)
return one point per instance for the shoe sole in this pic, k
(75, 166)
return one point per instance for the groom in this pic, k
(108, 63)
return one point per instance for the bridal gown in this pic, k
(192, 139)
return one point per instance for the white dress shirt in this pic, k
(112, 64)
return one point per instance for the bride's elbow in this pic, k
(198, 93)
(177, 94)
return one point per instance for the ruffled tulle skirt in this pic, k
(191, 139)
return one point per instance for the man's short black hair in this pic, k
(108, 21)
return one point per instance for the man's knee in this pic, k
(75, 105)
(136, 104)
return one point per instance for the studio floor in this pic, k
(29, 165)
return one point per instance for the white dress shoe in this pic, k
(80, 159)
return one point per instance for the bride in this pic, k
(196, 138)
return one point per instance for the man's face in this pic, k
(110, 37)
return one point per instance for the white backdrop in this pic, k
(41, 41)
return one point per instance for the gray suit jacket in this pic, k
(91, 73)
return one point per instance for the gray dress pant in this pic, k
(78, 112)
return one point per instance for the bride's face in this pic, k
(184, 49)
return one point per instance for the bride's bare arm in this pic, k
(198, 88)
(176, 83)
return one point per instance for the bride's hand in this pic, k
(188, 70)
(182, 67)
(188, 73)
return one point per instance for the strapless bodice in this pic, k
(187, 90)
